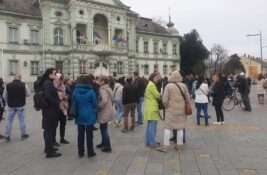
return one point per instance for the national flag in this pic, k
(97, 37)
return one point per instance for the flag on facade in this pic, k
(97, 37)
(83, 37)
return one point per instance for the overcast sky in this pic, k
(225, 22)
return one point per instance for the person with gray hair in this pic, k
(15, 96)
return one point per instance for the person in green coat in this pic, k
(151, 110)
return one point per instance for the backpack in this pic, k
(264, 84)
(39, 101)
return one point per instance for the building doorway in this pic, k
(101, 68)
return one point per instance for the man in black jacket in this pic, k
(140, 86)
(129, 100)
(15, 95)
(244, 90)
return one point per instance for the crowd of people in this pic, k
(105, 100)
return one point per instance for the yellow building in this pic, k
(253, 65)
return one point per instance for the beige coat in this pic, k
(175, 117)
(105, 112)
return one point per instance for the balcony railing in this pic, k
(102, 49)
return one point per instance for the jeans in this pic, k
(88, 129)
(139, 111)
(48, 137)
(21, 116)
(120, 109)
(151, 131)
(105, 135)
(204, 107)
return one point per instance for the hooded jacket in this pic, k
(86, 104)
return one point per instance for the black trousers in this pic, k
(219, 113)
(62, 126)
(48, 138)
(1, 113)
(246, 100)
(88, 129)
(174, 132)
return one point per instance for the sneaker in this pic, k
(125, 130)
(99, 146)
(56, 144)
(216, 123)
(91, 155)
(222, 123)
(24, 136)
(110, 122)
(140, 124)
(63, 141)
(53, 149)
(52, 155)
(131, 129)
(7, 139)
(162, 149)
(118, 123)
(106, 150)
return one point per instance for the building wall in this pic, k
(72, 53)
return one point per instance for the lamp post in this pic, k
(72, 53)
(259, 34)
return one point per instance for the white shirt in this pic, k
(201, 94)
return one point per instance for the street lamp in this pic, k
(72, 52)
(259, 34)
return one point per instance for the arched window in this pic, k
(58, 36)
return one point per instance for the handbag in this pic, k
(73, 108)
(188, 107)
(208, 96)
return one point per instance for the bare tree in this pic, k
(219, 56)
(160, 21)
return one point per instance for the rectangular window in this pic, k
(13, 67)
(165, 69)
(155, 47)
(13, 35)
(174, 49)
(91, 66)
(34, 68)
(59, 66)
(164, 48)
(145, 47)
(146, 69)
(34, 37)
(83, 67)
(137, 68)
(119, 67)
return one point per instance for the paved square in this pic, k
(237, 148)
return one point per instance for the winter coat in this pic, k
(175, 116)
(218, 94)
(105, 112)
(51, 112)
(118, 91)
(260, 88)
(86, 104)
(202, 93)
(130, 94)
(140, 85)
(151, 109)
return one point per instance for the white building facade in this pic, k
(82, 36)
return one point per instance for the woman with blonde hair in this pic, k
(175, 114)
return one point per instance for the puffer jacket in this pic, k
(105, 110)
(86, 104)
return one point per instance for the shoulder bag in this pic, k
(188, 107)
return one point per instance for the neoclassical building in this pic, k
(82, 36)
